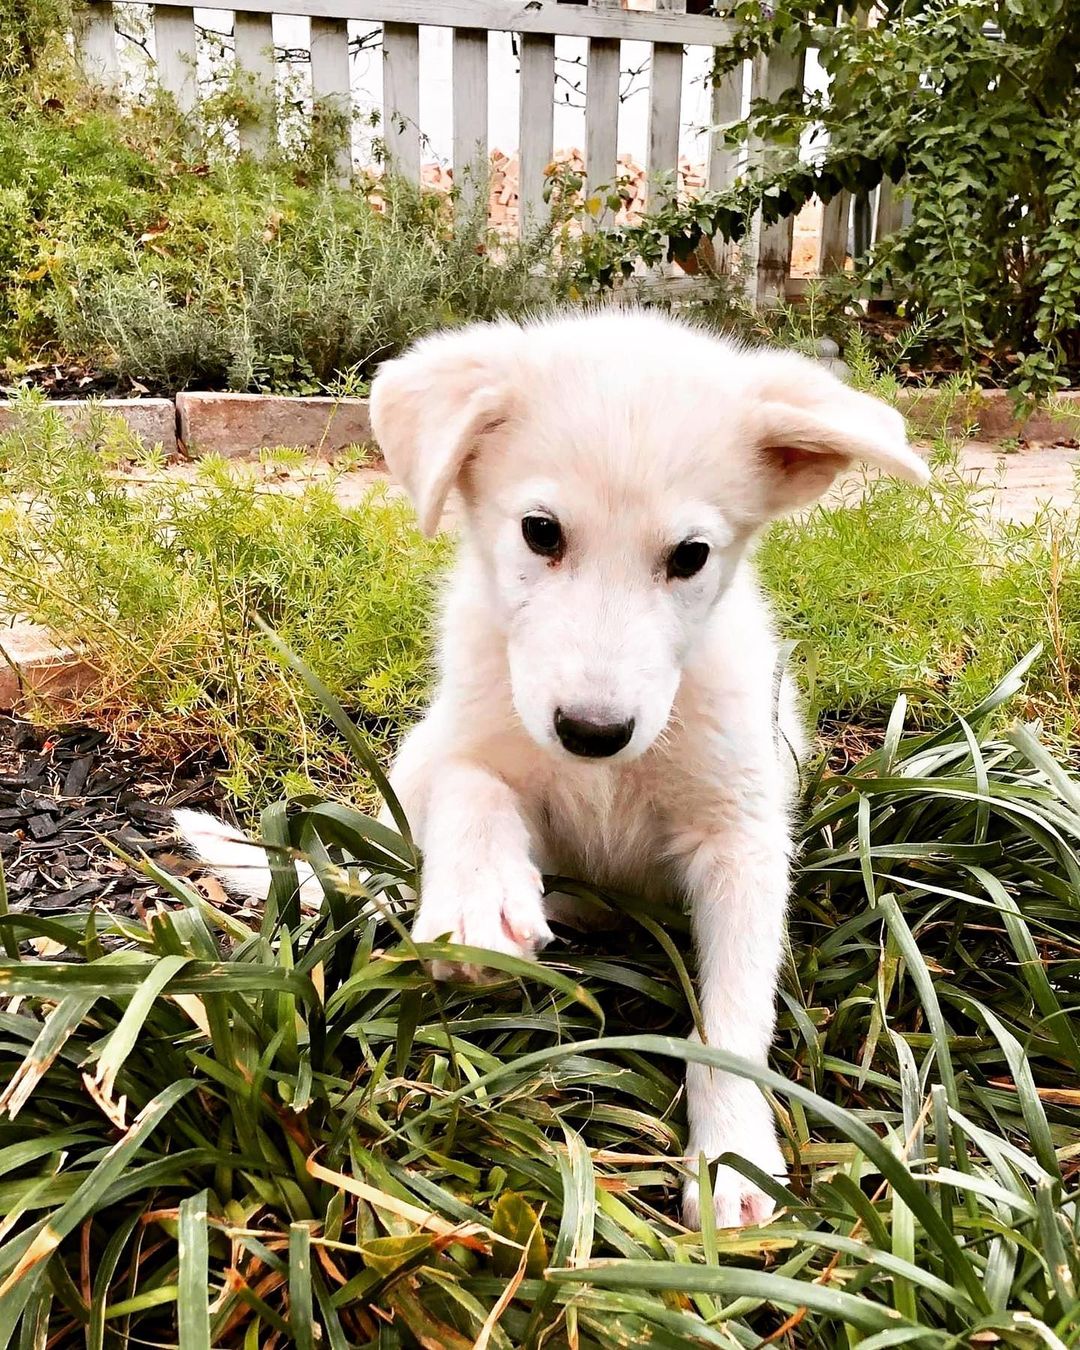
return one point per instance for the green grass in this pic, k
(287, 1135)
(925, 592)
(158, 587)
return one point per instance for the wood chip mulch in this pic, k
(63, 792)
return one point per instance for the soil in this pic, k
(75, 380)
(66, 794)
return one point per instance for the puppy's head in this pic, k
(612, 470)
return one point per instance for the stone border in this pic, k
(987, 414)
(232, 425)
(152, 420)
(235, 425)
(240, 425)
(33, 666)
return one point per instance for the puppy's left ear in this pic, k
(807, 427)
(434, 407)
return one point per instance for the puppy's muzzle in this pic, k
(592, 739)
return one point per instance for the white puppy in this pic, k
(605, 704)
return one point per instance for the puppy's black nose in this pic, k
(592, 740)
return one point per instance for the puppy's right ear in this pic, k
(433, 408)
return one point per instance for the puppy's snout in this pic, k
(591, 737)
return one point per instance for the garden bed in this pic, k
(276, 1128)
(233, 425)
(70, 797)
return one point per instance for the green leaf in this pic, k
(515, 1219)
(301, 1315)
(193, 1290)
(731, 1282)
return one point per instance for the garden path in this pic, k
(1024, 480)
(1019, 481)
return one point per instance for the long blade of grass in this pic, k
(121, 1041)
(347, 729)
(845, 1122)
(301, 1303)
(193, 1296)
(732, 1282)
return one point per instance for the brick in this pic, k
(990, 414)
(152, 420)
(242, 424)
(34, 666)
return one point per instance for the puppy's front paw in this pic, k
(736, 1200)
(750, 1134)
(499, 907)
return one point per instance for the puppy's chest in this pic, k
(606, 829)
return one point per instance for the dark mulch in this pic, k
(73, 379)
(845, 743)
(63, 792)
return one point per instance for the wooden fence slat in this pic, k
(836, 213)
(862, 223)
(537, 126)
(890, 211)
(602, 109)
(175, 52)
(665, 110)
(95, 44)
(253, 45)
(401, 97)
(331, 88)
(470, 115)
(524, 16)
(725, 107)
(602, 112)
(835, 227)
(770, 77)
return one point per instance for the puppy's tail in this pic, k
(237, 862)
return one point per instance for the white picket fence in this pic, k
(606, 24)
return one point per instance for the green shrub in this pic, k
(926, 592)
(158, 586)
(970, 112)
(316, 284)
(131, 250)
(29, 29)
(287, 1135)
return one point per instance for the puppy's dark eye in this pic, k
(687, 559)
(543, 535)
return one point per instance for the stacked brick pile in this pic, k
(503, 203)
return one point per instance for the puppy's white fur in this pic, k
(237, 861)
(635, 433)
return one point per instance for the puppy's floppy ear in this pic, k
(807, 426)
(433, 407)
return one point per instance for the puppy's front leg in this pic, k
(479, 882)
(738, 885)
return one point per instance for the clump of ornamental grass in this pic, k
(272, 1129)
